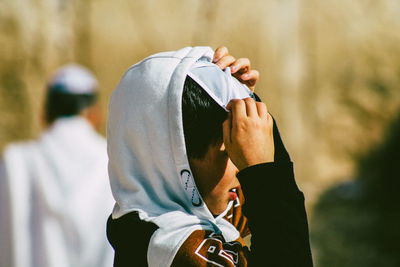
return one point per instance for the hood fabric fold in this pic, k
(148, 165)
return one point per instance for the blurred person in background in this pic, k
(54, 191)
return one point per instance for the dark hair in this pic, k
(202, 119)
(60, 104)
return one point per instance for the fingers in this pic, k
(251, 107)
(237, 109)
(262, 110)
(241, 108)
(240, 66)
(249, 78)
(250, 75)
(225, 62)
(219, 53)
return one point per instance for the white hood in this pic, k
(148, 164)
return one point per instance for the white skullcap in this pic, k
(220, 85)
(73, 79)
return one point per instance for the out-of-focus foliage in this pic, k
(356, 223)
(330, 70)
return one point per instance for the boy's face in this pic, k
(215, 177)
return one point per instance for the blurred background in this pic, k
(329, 73)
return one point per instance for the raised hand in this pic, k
(248, 133)
(240, 68)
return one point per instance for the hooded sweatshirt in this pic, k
(148, 164)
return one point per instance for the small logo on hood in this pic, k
(190, 188)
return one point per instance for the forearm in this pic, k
(276, 216)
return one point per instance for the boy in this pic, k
(178, 133)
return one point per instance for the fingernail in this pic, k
(244, 76)
(233, 69)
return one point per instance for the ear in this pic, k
(93, 115)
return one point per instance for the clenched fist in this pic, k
(248, 133)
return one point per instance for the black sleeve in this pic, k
(130, 238)
(276, 213)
